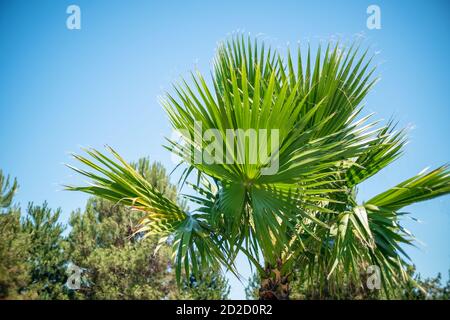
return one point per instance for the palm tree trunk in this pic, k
(274, 285)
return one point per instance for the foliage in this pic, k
(46, 254)
(119, 266)
(210, 285)
(305, 213)
(35, 254)
(14, 273)
(7, 191)
(114, 265)
(32, 256)
(252, 287)
(415, 289)
(430, 288)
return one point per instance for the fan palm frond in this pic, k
(287, 197)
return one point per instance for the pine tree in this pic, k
(46, 254)
(14, 244)
(7, 191)
(117, 264)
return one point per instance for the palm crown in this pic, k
(305, 212)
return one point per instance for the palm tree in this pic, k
(305, 212)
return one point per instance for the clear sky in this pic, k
(61, 89)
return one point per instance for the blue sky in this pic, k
(61, 89)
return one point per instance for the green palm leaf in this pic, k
(424, 186)
(302, 213)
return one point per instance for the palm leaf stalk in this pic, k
(304, 213)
